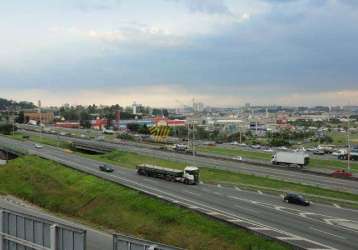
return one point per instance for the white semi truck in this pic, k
(190, 175)
(299, 159)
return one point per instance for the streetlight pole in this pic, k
(349, 147)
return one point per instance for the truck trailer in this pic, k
(190, 175)
(299, 159)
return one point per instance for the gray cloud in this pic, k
(205, 6)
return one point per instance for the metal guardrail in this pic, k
(123, 242)
(21, 231)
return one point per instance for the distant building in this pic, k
(44, 117)
(99, 123)
(67, 125)
(198, 107)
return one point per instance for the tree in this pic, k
(21, 117)
(7, 129)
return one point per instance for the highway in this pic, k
(316, 227)
(275, 173)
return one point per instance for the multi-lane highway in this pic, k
(316, 227)
(275, 173)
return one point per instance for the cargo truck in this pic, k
(190, 175)
(299, 159)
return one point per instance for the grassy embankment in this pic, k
(112, 206)
(314, 163)
(130, 160)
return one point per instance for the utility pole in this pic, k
(193, 139)
(40, 114)
(349, 146)
(240, 134)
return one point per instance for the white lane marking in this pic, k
(304, 214)
(192, 193)
(193, 207)
(327, 233)
(237, 188)
(219, 185)
(259, 191)
(213, 213)
(235, 220)
(336, 205)
(289, 238)
(260, 228)
(282, 196)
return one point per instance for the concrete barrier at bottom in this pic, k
(22, 231)
(123, 242)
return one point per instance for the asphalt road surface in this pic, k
(315, 227)
(275, 173)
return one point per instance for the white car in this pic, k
(339, 152)
(269, 150)
(283, 148)
(238, 158)
(234, 143)
(38, 146)
(243, 144)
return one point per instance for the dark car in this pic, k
(296, 199)
(106, 168)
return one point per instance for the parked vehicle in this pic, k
(328, 149)
(290, 158)
(296, 199)
(268, 150)
(255, 146)
(38, 146)
(341, 173)
(283, 148)
(238, 158)
(339, 152)
(106, 168)
(318, 152)
(190, 174)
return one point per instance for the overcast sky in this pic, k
(166, 52)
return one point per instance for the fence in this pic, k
(24, 232)
(123, 242)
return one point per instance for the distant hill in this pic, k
(5, 104)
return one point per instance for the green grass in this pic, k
(111, 206)
(236, 152)
(340, 138)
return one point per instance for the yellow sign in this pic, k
(160, 133)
